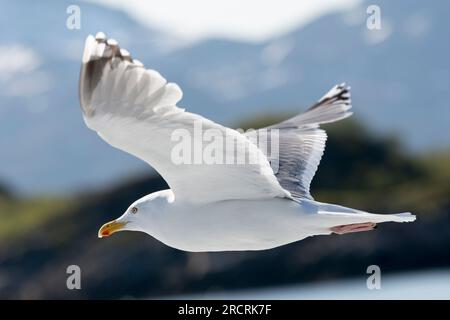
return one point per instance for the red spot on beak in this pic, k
(105, 233)
(111, 227)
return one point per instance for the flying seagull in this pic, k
(213, 206)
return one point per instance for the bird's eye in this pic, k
(134, 210)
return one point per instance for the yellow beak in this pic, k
(110, 227)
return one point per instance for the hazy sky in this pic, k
(251, 20)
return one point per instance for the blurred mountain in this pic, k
(399, 76)
(4, 191)
(40, 238)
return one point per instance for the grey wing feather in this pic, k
(301, 142)
(299, 155)
(332, 107)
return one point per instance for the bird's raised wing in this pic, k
(301, 142)
(134, 109)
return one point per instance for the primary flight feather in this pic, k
(257, 202)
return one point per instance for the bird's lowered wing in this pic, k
(134, 109)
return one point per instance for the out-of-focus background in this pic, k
(243, 64)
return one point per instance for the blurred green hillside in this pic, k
(40, 237)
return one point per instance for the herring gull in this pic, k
(213, 205)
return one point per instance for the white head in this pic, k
(141, 215)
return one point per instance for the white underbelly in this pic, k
(237, 226)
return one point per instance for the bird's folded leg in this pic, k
(355, 227)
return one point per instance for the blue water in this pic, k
(415, 285)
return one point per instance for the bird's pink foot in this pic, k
(355, 227)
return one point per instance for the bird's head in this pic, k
(141, 215)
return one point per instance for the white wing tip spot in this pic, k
(100, 36)
(124, 52)
(112, 42)
(138, 63)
